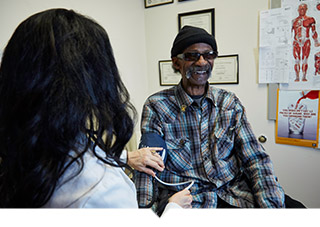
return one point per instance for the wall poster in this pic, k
(305, 42)
(290, 45)
(298, 118)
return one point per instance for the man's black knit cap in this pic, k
(189, 35)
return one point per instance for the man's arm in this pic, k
(146, 193)
(257, 165)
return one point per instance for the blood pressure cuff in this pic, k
(154, 140)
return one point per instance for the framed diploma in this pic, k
(225, 70)
(202, 19)
(167, 75)
(151, 3)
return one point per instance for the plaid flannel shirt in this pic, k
(213, 145)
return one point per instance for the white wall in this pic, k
(141, 37)
(236, 31)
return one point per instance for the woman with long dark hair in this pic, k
(65, 117)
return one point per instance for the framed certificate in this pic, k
(202, 19)
(167, 75)
(151, 3)
(225, 70)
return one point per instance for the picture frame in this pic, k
(225, 70)
(152, 3)
(201, 18)
(167, 75)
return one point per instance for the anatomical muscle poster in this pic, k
(304, 62)
(289, 46)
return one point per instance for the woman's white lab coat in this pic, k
(97, 186)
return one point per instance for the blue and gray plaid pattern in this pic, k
(212, 144)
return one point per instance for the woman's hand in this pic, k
(182, 198)
(145, 158)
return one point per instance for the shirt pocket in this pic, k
(179, 155)
(225, 158)
(223, 142)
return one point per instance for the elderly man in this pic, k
(207, 137)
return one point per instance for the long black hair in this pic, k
(58, 82)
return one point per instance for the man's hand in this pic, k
(145, 158)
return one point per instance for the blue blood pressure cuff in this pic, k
(154, 140)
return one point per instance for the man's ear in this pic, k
(176, 63)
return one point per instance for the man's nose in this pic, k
(201, 61)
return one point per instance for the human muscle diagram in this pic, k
(297, 54)
(303, 27)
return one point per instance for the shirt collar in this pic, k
(184, 100)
